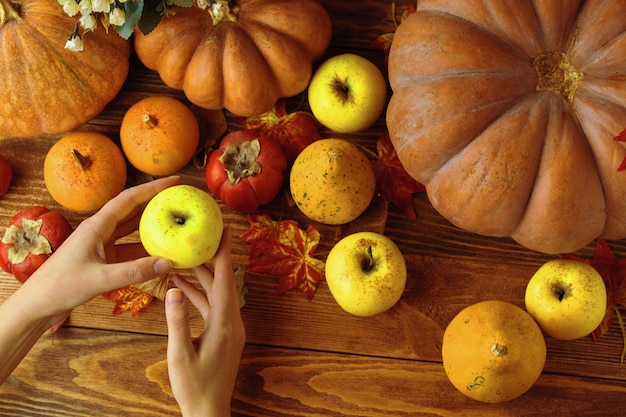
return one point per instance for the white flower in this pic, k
(70, 7)
(88, 22)
(74, 43)
(103, 6)
(117, 16)
(85, 7)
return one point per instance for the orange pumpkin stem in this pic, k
(498, 349)
(149, 121)
(557, 74)
(84, 161)
(220, 10)
(8, 11)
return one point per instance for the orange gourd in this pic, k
(240, 55)
(45, 88)
(508, 112)
(332, 181)
(493, 351)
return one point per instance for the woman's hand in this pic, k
(203, 371)
(87, 264)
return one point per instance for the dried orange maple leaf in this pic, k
(613, 271)
(293, 131)
(282, 249)
(383, 42)
(128, 299)
(392, 180)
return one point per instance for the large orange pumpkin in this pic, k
(507, 112)
(45, 88)
(240, 55)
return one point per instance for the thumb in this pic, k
(177, 315)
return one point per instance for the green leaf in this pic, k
(133, 10)
(152, 14)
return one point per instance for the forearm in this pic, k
(21, 326)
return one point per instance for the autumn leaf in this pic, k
(621, 138)
(282, 249)
(128, 299)
(392, 180)
(383, 42)
(293, 131)
(613, 271)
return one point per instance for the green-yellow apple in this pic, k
(183, 224)
(366, 273)
(567, 298)
(347, 93)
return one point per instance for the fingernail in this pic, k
(161, 266)
(174, 297)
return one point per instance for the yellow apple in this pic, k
(183, 224)
(567, 298)
(366, 273)
(347, 93)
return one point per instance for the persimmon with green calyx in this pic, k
(247, 171)
(493, 351)
(332, 181)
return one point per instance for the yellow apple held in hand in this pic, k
(567, 298)
(183, 224)
(366, 273)
(347, 93)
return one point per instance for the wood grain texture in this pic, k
(123, 374)
(305, 358)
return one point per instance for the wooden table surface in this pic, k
(306, 358)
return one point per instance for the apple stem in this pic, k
(149, 121)
(559, 292)
(84, 161)
(368, 261)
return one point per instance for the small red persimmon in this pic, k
(6, 173)
(32, 236)
(247, 171)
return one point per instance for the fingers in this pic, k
(122, 274)
(197, 298)
(179, 345)
(126, 205)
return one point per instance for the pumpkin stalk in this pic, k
(555, 73)
(149, 121)
(83, 160)
(8, 11)
(220, 10)
(498, 349)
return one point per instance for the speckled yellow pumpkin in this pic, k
(493, 351)
(332, 181)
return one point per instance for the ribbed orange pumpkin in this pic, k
(507, 112)
(45, 88)
(241, 55)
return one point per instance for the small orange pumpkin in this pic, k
(240, 55)
(493, 351)
(508, 112)
(45, 88)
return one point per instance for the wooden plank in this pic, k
(122, 374)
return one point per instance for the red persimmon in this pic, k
(32, 236)
(247, 171)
